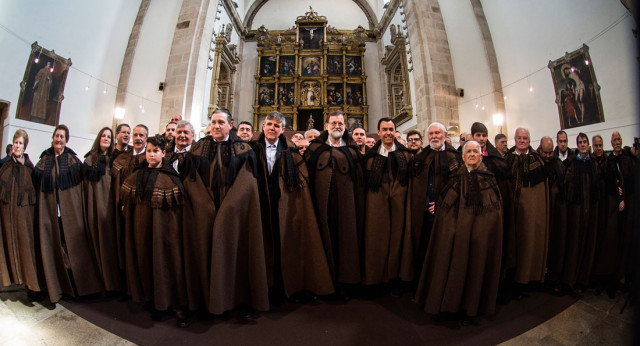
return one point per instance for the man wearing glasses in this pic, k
(335, 174)
(414, 140)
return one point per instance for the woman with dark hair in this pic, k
(17, 205)
(67, 258)
(153, 197)
(100, 206)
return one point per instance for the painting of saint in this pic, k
(311, 66)
(268, 66)
(353, 65)
(286, 94)
(577, 92)
(266, 94)
(287, 66)
(334, 65)
(354, 95)
(335, 94)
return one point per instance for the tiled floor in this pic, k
(593, 320)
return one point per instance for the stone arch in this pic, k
(363, 4)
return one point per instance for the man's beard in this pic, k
(433, 146)
(337, 134)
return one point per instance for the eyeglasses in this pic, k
(335, 123)
(414, 140)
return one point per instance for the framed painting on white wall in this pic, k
(41, 89)
(577, 90)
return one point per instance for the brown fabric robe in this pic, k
(123, 164)
(531, 214)
(422, 164)
(582, 220)
(336, 178)
(100, 216)
(152, 201)
(224, 247)
(388, 252)
(497, 165)
(616, 234)
(293, 245)
(557, 218)
(571, 154)
(18, 252)
(67, 262)
(461, 270)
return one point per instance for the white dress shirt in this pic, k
(384, 152)
(271, 153)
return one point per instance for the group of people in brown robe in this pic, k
(241, 221)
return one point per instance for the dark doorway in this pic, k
(303, 119)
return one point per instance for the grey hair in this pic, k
(311, 131)
(277, 116)
(523, 129)
(184, 123)
(469, 142)
(444, 129)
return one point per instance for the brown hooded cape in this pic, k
(441, 164)
(18, 251)
(66, 261)
(461, 270)
(388, 252)
(100, 216)
(557, 218)
(152, 199)
(292, 241)
(224, 248)
(582, 220)
(531, 214)
(336, 182)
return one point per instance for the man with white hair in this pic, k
(311, 134)
(529, 184)
(184, 135)
(432, 168)
(338, 198)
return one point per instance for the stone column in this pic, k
(435, 91)
(125, 71)
(177, 97)
(492, 59)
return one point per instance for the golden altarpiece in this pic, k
(310, 70)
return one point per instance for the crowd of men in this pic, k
(242, 221)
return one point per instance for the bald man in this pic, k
(531, 211)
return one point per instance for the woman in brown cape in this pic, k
(68, 262)
(100, 208)
(153, 198)
(17, 204)
(461, 270)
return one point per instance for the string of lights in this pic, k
(545, 67)
(91, 77)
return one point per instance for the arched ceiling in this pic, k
(257, 5)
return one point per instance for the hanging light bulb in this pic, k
(105, 90)
(586, 62)
(37, 59)
(88, 84)
(530, 89)
(482, 108)
(52, 66)
(505, 98)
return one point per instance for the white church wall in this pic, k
(93, 35)
(149, 65)
(281, 14)
(470, 66)
(527, 35)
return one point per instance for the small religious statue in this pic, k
(310, 123)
